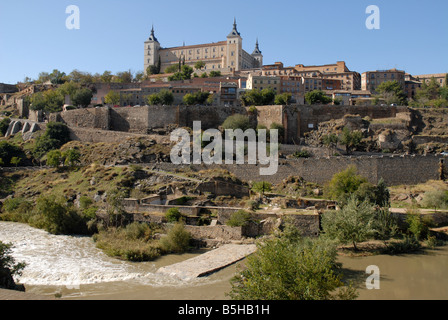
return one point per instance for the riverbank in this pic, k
(72, 268)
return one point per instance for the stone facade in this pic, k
(225, 56)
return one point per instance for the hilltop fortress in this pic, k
(225, 56)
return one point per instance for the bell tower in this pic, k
(151, 52)
(258, 56)
(234, 49)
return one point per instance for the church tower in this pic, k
(152, 47)
(234, 49)
(257, 55)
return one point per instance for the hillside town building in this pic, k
(225, 56)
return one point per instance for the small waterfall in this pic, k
(71, 261)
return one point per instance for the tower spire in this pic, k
(152, 37)
(234, 30)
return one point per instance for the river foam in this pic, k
(71, 261)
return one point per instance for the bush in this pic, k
(57, 217)
(4, 125)
(418, 226)
(8, 151)
(302, 154)
(173, 215)
(239, 219)
(130, 243)
(353, 224)
(237, 121)
(437, 199)
(9, 268)
(177, 240)
(56, 135)
(291, 269)
(262, 187)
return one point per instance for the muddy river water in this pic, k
(73, 268)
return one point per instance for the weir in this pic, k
(208, 262)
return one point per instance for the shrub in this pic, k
(56, 135)
(353, 224)
(291, 269)
(239, 219)
(9, 268)
(437, 199)
(237, 121)
(177, 240)
(302, 154)
(418, 226)
(173, 215)
(57, 217)
(4, 125)
(262, 187)
(8, 151)
(128, 243)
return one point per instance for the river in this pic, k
(73, 268)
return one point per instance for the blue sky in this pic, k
(413, 34)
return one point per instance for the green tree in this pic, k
(112, 97)
(199, 65)
(82, 97)
(50, 101)
(350, 139)
(262, 187)
(268, 96)
(4, 125)
(330, 141)
(317, 97)
(172, 68)
(392, 92)
(57, 77)
(352, 224)
(437, 199)
(281, 130)
(164, 97)
(54, 158)
(152, 69)
(214, 74)
(237, 121)
(283, 99)
(385, 225)
(9, 151)
(184, 74)
(343, 184)
(69, 88)
(107, 77)
(124, 77)
(239, 219)
(285, 268)
(177, 239)
(15, 161)
(173, 215)
(154, 100)
(55, 136)
(58, 217)
(9, 268)
(71, 157)
(252, 98)
(189, 99)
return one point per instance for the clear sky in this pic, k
(413, 34)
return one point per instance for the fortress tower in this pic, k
(225, 56)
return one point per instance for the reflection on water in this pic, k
(405, 277)
(74, 268)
